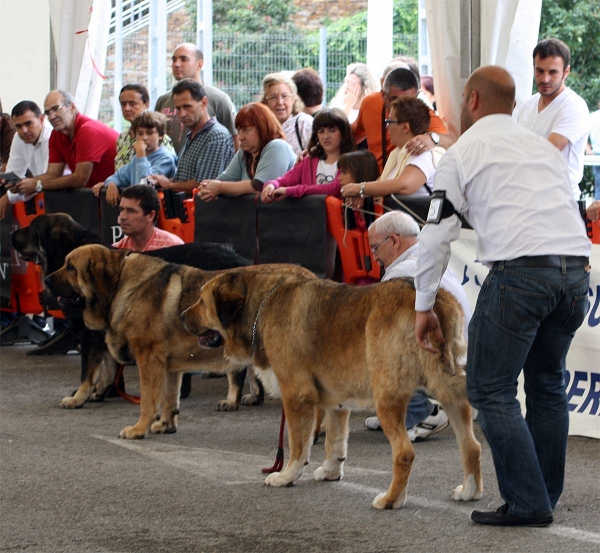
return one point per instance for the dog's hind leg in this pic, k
(169, 406)
(94, 364)
(257, 390)
(234, 392)
(152, 365)
(336, 445)
(107, 372)
(300, 414)
(391, 411)
(459, 414)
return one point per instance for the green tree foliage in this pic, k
(249, 16)
(577, 23)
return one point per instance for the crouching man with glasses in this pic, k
(393, 241)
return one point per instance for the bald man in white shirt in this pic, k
(556, 112)
(513, 188)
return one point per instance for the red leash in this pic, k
(279, 457)
(120, 387)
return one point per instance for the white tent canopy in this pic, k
(80, 31)
(508, 32)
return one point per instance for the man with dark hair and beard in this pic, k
(556, 112)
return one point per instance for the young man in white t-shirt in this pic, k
(556, 112)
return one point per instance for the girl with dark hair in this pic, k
(134, 100)
(359, 166)
(317, 173)
(263, 155)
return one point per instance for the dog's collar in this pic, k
(255, 325)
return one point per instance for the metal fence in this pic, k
(240, 61)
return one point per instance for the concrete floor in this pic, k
(68, 485)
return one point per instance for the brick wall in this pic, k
(311, 13)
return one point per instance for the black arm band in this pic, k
(440, 208)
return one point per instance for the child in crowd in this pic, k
(317, 173)
(358, 166)
(150, 158)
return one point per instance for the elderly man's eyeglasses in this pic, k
(53, 110)
(374, 248)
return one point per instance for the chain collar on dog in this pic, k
(255, 325)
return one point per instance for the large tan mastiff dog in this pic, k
(331, 346)
(137, 300)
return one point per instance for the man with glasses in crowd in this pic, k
(398, 80)
(393, 241)
(86, 146)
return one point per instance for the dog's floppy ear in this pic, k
(229, 297)
(98, 282)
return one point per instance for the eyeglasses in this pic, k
(388, 122)
(54, 109)
(374, 248)
(277, 97)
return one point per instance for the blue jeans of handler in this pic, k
(525, 319)
(419, 408)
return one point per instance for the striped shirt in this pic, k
(206, 155)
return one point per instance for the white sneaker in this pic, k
(434, 423)
(372, 423)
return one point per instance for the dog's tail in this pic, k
(454, 349)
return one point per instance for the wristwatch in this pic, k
(39, 186)
(435, 137)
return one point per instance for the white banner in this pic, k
(583, 360)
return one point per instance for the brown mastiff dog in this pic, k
(137, 300)
(331, 345)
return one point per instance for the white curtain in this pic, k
(80, 30)
(509, 32)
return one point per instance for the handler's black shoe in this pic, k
(501, 517)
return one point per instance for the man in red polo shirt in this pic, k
(86, 146)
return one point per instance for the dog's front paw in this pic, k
(225, 405)
(278, 480)
(163, 427)
(70, 403)
(469, 491)
(382, 501)
(332, 475)
(131, 433)
(251, 399)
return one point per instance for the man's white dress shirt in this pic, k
(513, 187)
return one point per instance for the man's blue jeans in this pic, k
(419, 408)
(525, 319)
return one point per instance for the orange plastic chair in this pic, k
(357, 263)
(596, 232)
(168, 221)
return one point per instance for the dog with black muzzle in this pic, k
(51, 237)
(137, 301)
(333, 346)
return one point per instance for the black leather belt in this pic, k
(547, 261)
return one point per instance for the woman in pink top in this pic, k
(317, 173)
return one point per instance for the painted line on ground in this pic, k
(214, 463)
